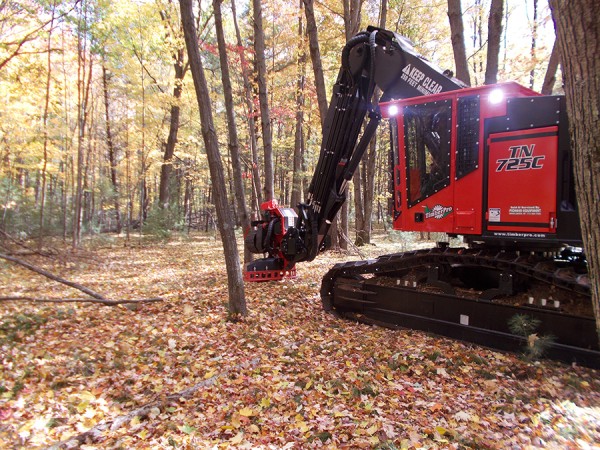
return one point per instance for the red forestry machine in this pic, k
(490, 163)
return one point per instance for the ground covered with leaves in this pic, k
(178, 374)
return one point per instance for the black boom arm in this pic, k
(372, 58)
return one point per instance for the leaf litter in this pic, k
(288, 376)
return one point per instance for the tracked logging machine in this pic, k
(491, 164)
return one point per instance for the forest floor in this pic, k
(178, 374)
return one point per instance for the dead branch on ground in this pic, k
(81, 300)
(151, 409)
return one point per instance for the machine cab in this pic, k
(491, 163)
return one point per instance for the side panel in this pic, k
(522, 172)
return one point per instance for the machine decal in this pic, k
(437, 212)
(521, 158)
(494, 214)
(417, 79)
(524, 211)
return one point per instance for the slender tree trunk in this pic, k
(352, 14)
(371, 162)
(296, 196)
(237, 300)
(112, 157)
(352, 17)
(45, 122)
(578, 36)
(457, 31)
(263, 98)
(233, 142)
(550, 78)
(315, 56)
(83, 92)
(494, 36)
(256, 176)
(166, 170)
(534, 32)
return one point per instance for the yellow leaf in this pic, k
(299, 418)
(247, 412)
(372, 430)
(237, 438)
(135, 421)
(265, 402)
(235, 420)
(441, 430)
(374, 440)
(208, 375)
(142, 434)
(303, 427)
(254, 429)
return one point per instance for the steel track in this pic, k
(355, 288)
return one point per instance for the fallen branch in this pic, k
(80, 300)
(26, 247)
(150, 409)
(52, 276)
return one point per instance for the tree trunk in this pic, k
(578, 35)
(550, 78)
(263, 98)
(534, 32)
(166, 170)
(458, 41)
(352, 14)
(83, 92)
(315, 57)
(367, 171)
(45, 148)
(234, 147)
(256, 179)
(112, 156)
(237, 300)
(296, 196)
(493, 47)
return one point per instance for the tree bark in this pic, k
(46, 137)
(352, 15)
(578, 35)
(493, 47)
(534, 32)
(315, 57)
(112, 156)
(233, 142)
(263, 98)
(83, 90)
(237, 300)
(166, 170)
(457, 31)
(296, 196)
(550, 78)
(256, 179)
(366, 180)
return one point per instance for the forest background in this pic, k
(100, 134)
(100, 129)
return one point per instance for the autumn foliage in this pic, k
(178, 374)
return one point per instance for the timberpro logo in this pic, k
(437, 212)
(521, 158)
